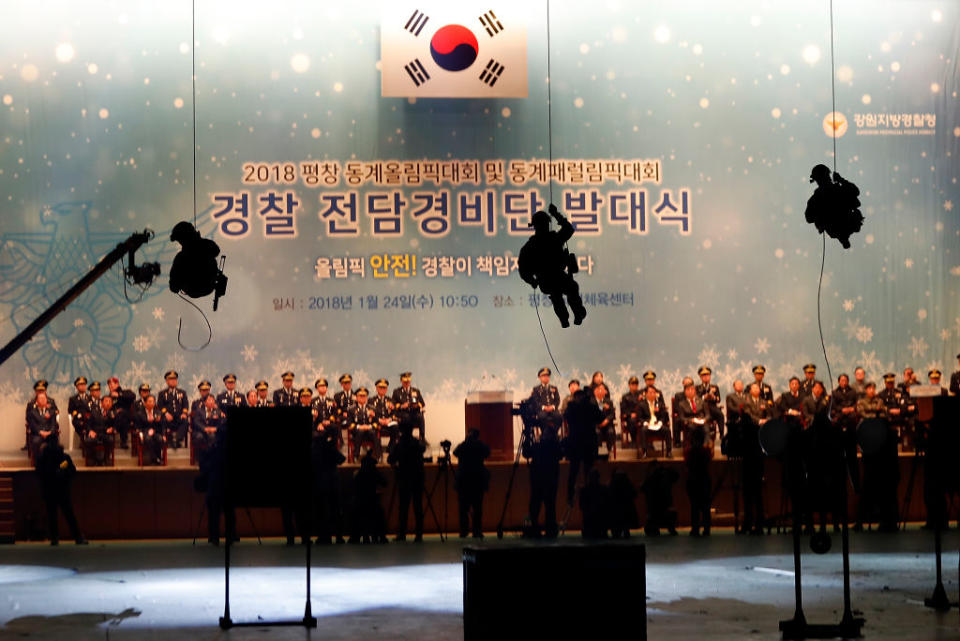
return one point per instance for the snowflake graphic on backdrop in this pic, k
(709, 356)
(848, 305)
(141, 343)
(918, 346)
(732, 354)
(249, 353)
(139, 372)
(851, 329)
(158, 313)
(864, 334)
(762, 346)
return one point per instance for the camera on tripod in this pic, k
(527, 411)
(445, 459)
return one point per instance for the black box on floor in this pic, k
(561, 591)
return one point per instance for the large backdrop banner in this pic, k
(369, 171)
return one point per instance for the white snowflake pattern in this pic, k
(918, 346)
(848, 305)
(932, 365)
(871, 364)
(624, 372)
(732, 354)
(361, 377)
(864, 334)
(725, 377)
(670, 380)
(10, 393)
(141, 343)
(249, 353)
(510, 376)
(945, 334)
(709, 356)
(78, 322)
(158, 313)
(908, 263)
(304, 360)
(176, 361)
(280, 366)
(948, 205)
(762, 346)
(852, 328)
(139, 372)
(55, 344)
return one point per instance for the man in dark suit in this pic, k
(629, 417)
(691, 410)
(652, 417)
(790, 404)
(955, 380)
(675, 411)
(754, 412)
(146, 421)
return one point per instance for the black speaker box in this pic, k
(560, 591)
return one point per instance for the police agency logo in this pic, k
(453, 51)
(835, 124)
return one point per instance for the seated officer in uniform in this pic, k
(384, 412)
(138, 404)
(629, 408)
(42, 420)
(79, 407)
(286, 396)
(324, 411)
(710, 395)
(933, 377)
(100, 428)
(203, 387)
(262, 399)
(546, 399)
(230, 397)
(39, 386)
(408, 403)
(174, 409)
(362, 424)
(766, 392)
(345, 398)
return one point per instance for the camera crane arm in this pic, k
(130, 245)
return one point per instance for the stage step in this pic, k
(7, 529)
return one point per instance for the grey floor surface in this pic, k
(724, 587)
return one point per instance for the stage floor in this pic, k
(736, 587)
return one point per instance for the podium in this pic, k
(490, 413)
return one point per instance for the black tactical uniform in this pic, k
(544, 466)
(472, 481)
(407, 457)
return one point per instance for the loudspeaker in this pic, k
(563, 591)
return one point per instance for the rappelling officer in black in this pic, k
(544, 262)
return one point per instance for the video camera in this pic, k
(527, 410)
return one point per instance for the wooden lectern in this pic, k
(490, 412)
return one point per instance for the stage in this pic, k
(737, 587)
(160, 502)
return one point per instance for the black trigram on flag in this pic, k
(416, 23)
(491, 23)
(417, 72)
(491, 73)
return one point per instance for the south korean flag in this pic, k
(458, 50)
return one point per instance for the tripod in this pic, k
(442, 473)
(524, 435)
(203, 511)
